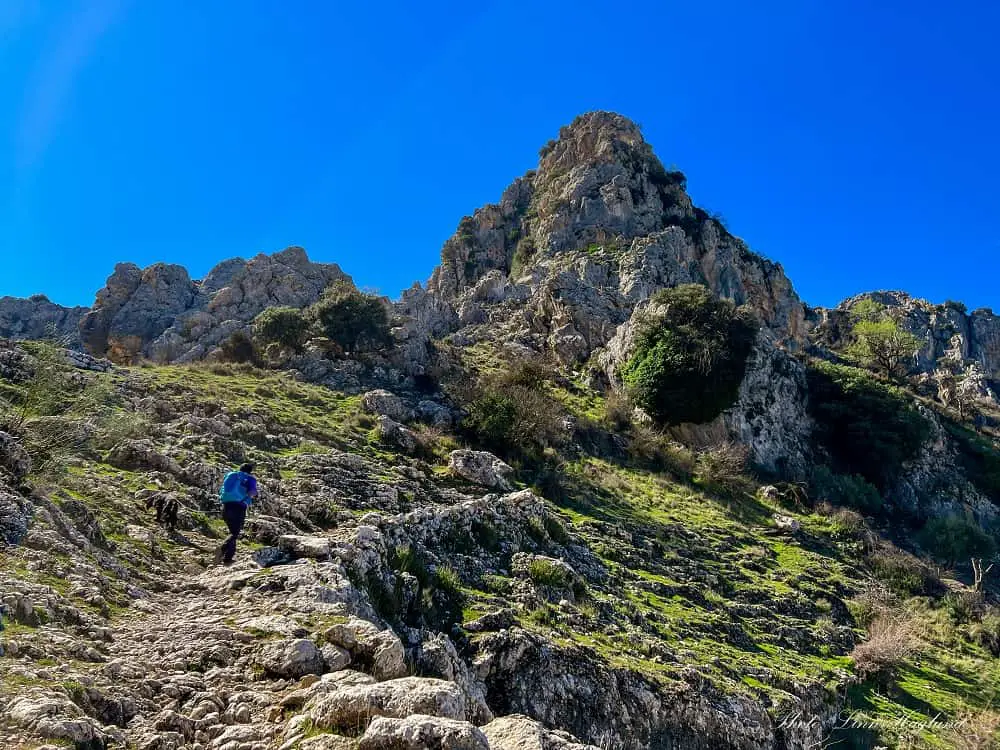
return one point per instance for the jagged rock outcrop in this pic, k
(573, 247)
(37, 317)
(161, 313)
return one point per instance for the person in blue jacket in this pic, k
(239, 489)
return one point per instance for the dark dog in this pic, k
(166, 510)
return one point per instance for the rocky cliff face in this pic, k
(37, 318)
(567, 261)
(962, 342)
(573, 247)
(161, 313)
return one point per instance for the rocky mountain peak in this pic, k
(576, 248)
(592, 138)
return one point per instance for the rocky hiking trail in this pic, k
(245, 657)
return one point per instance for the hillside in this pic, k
(604, 482)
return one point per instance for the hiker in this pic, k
(239, 489)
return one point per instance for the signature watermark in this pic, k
(901, 725)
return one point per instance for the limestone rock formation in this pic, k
(161, 313)
(38, 318)
(574, 246)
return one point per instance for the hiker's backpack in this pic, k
(234, 488)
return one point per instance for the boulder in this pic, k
(36, 317)
(422, 733)
(518, 732)
(351, 707)
(482, 468)
(54, 716)
(296, 546)
(395, 435)
(434, 413)
(292, 658)
(328, 742)
(372, 649)
(385, 404)
(15, 517)
(14, 459)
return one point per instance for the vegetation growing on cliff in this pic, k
(689, 360)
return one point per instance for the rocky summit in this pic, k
(603, 482)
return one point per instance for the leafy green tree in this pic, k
(879, 341)
(287, 326)
(883, 345)
(689, 361)
(353, 320)
(867, 309)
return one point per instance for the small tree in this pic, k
(353, 320)
(286, 326)
(882, 344)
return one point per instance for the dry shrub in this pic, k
(652, 448)
(893, 636)
(723, 468)
(849, 523)
(978, 730)
(617, 412)
(873, 598)
(429, 438)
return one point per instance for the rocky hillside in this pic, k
(606, 482)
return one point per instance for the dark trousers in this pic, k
(235, 515)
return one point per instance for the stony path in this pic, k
(289, 657)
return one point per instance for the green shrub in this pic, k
(546, 573)
(956, 538)
(902, 573)
(852, 491)
(511, 413)
(867, 426)
(351, 319)
(523, 254)
(238, 348)
(556, 531)
(986, 631)
(405, 559)
(442, 600)
(979, 458)
(544, 615)
(286, 326)
(689, 361)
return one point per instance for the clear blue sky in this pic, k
(857, 145)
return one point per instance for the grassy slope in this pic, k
(695, 580)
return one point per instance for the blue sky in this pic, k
(857, 145)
